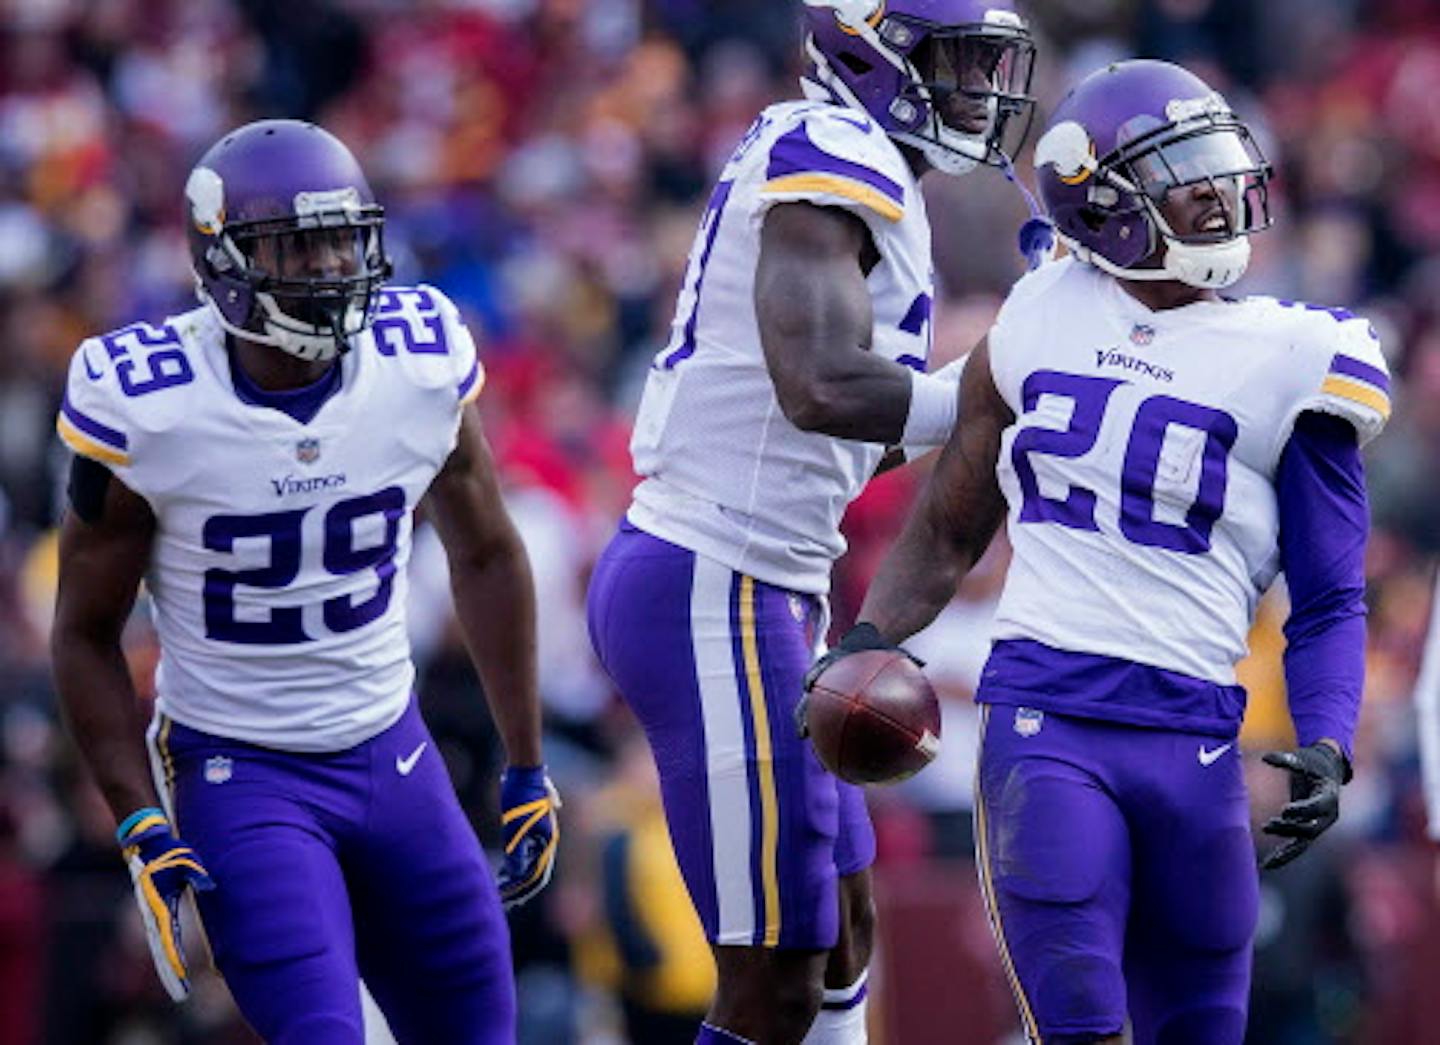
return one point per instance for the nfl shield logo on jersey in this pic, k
(1028, 721)
(218, 769)
(307, 451)
(1141, 334)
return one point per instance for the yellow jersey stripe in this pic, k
(837, 185)
(85, 446)
(987, 888)
(764, 764)
(1358, 392)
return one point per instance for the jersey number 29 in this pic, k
(285, 625)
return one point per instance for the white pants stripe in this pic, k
(725, 754)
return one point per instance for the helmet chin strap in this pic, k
(1207, 266)
(309, 347)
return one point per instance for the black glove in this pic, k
(862, 636)
(1316, 774)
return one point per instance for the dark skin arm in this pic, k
(816, 325)
(101, 566)
(954, 518)
(492, 587)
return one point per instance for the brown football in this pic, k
(873, 717)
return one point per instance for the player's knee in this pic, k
(1083, 992)
(318, 1029)
(1212, 1026)
(776, 1006)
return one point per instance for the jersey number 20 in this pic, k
(1157, 414)
(285, 624)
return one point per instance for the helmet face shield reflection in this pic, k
(323, 270)
(1214, 151)
(1226, 158)
(977, 79)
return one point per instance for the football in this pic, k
(873, 717)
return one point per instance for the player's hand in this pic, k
(1316, 774)
(862, 636)
(531, 831)
(162, 867)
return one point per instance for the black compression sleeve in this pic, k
(89, 479)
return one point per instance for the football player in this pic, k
(257, 462)
(796, 356)
(1162, 452)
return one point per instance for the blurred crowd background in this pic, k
(544, 162)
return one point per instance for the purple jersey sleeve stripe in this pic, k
(93, 428)
(794, 153)
(466, 385)
(1351, 367)
(1324, 522)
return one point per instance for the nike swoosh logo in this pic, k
(404, 765)
(95, 375)
(1208, 757)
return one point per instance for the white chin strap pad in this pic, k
(1210, 266)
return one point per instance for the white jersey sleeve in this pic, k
(421, 330)
(115, 402)
(835, 157)
(1338, 369)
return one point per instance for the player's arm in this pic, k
(105, 543)
(952, 522)
(491, 585)
(494, 597)
(1324, 523)
(816, 325)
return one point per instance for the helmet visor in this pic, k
(321, 273)
(1226, 159)
(978, 80)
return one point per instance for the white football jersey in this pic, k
(1140, 468)
(724, 473)
(277, 577)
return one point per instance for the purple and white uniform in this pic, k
(286, 742)
(1163, 467)
(707, 606)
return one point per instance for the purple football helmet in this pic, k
(950, 78)
(279, 186)
(1120, 142)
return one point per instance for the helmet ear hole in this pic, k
(854, 63)
(1094, 218)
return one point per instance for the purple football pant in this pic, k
(1119, 870)
(330, 867)
(711, 662)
